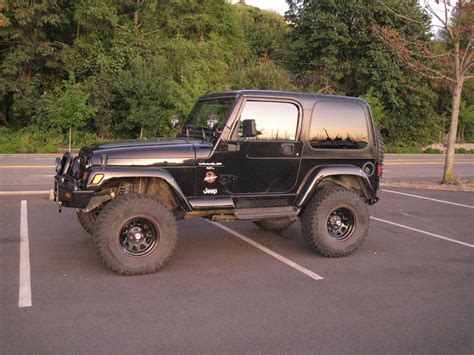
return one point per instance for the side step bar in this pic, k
(270, 212)
(215, 203)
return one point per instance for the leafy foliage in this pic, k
(68, 110)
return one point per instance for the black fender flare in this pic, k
(138, 172)
(318, 174)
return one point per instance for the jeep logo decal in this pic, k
(210, 177)
(207, 191)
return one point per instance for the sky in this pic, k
(281, 6)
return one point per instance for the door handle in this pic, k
(287, 149)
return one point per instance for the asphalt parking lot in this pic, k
(233, 288)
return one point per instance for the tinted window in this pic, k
(274, 120)
(337, 125)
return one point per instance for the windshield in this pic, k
(217, 108)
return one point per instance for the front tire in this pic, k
(135, 234)
(336, 222)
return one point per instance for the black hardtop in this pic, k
(306, 99)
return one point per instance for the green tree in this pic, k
(466, 122)
(378, 109)
(31, 36)
(68, 109)
(265, 31)
(452, 67)
(147, 92)
(333, 49)
(263, 74)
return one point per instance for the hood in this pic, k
(147, 153)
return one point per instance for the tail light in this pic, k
(379, 170)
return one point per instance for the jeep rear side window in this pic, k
(274, 120)
(338, 125)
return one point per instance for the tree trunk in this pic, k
(141, 133)
(70, 139)
(5, 118)
(448, 175)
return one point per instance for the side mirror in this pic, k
(174, 121)
(249, 128)
(212, 122)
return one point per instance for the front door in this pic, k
(268, 163)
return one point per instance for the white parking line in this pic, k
(24, 294)
(270, 252)
(427, 198)
(424, 232)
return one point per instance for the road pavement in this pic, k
(425, 167)
(408, 289)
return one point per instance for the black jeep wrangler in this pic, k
(263, 156)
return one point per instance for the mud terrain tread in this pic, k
(314, 220)
(87, 220)
(380, 145)
(135, 202)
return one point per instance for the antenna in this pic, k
(327, 134)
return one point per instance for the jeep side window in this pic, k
(274, 120)
(338, 125)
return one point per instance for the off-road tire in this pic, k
(274, 224)
(114, 219)
(87, 220)
(315, 221)
(380, 146)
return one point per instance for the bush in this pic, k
(430, 150)
(33, 140)
(402, 149)
(9, 147)
(80, 139)
(9, 141)
(464, 151)
(48, 148)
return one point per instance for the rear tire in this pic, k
(135, 234)
(87, 219)
(274, 224)
(380, 146)
(336, 222)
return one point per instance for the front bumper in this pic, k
(68, 194)
(67, 189)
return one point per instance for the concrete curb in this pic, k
(24, 193)
(33, 155)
